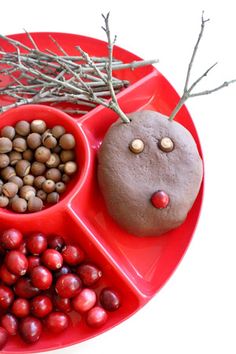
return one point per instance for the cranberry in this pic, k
(68, 285)
(85, 300)
(11, 239)
(24, 288)
(7, 277)
(10, 323)
(16, 262)
(3, 337)
(109, 299)
(6, 297)
(160, 199)
(30, 329)
(89, 273)
(96, 317)
(21, 307)
(56, 242)
(52, 259)
(62, 304)
(36, 243)
(65, 269)
(72, 255)
(57, 322)
(41, 277)
(41, 306)
(33, 261)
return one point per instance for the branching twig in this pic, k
(43, 76)
(188, 89)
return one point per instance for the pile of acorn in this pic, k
(43, 279)
(36, 163)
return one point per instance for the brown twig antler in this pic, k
(187, 93)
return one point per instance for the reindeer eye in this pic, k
(166, 144)
(136, 146)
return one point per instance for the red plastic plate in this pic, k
(136, 267)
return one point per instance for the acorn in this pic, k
(166, 144)
(67, 141)
(22, 168)
(19, 144)
(28, 180)
(28, 155)
(49, 140)
(54, 174)
(136, 146)
(34, 140)
(53, 161)
(60, 187)
(38, 126)
(27, 192)
(14, 157)
(19, 205)
(70, 167)
(22, 127)
(42, 154)
(4, 160)
(53, 198)
(38, 181)
(58, 131)
(35, 204)
(8, 132)
(7, 173)
(17, 180)
(9, 189)
(4, 201)
(38, 168)
(5, 145)
(49, 186)
(41, 194)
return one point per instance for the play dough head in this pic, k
(149, 172)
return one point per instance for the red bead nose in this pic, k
(160, 199)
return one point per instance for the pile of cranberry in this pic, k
(42, 279)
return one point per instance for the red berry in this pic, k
(41, 277)
(65, 269)
(11, 239)
(109, 299)
(36, 243)
(6, 297)
(56, 242)
(62, 304)
(21, 307)
(16, 262)
(33, 261)
(57, 322)
(3, 337)
(24, 288)
(10, 323)
(52, 259)
(30, 329)
(96, 317)
(68, 285)
(7, 277)
(72, 255)
(41, 306)
(160, 199)
(89, 273)
(85, 300)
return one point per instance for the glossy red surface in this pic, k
(135, 267)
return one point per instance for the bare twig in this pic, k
(187, 93)
(51, 78)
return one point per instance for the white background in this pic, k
(195, 312)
